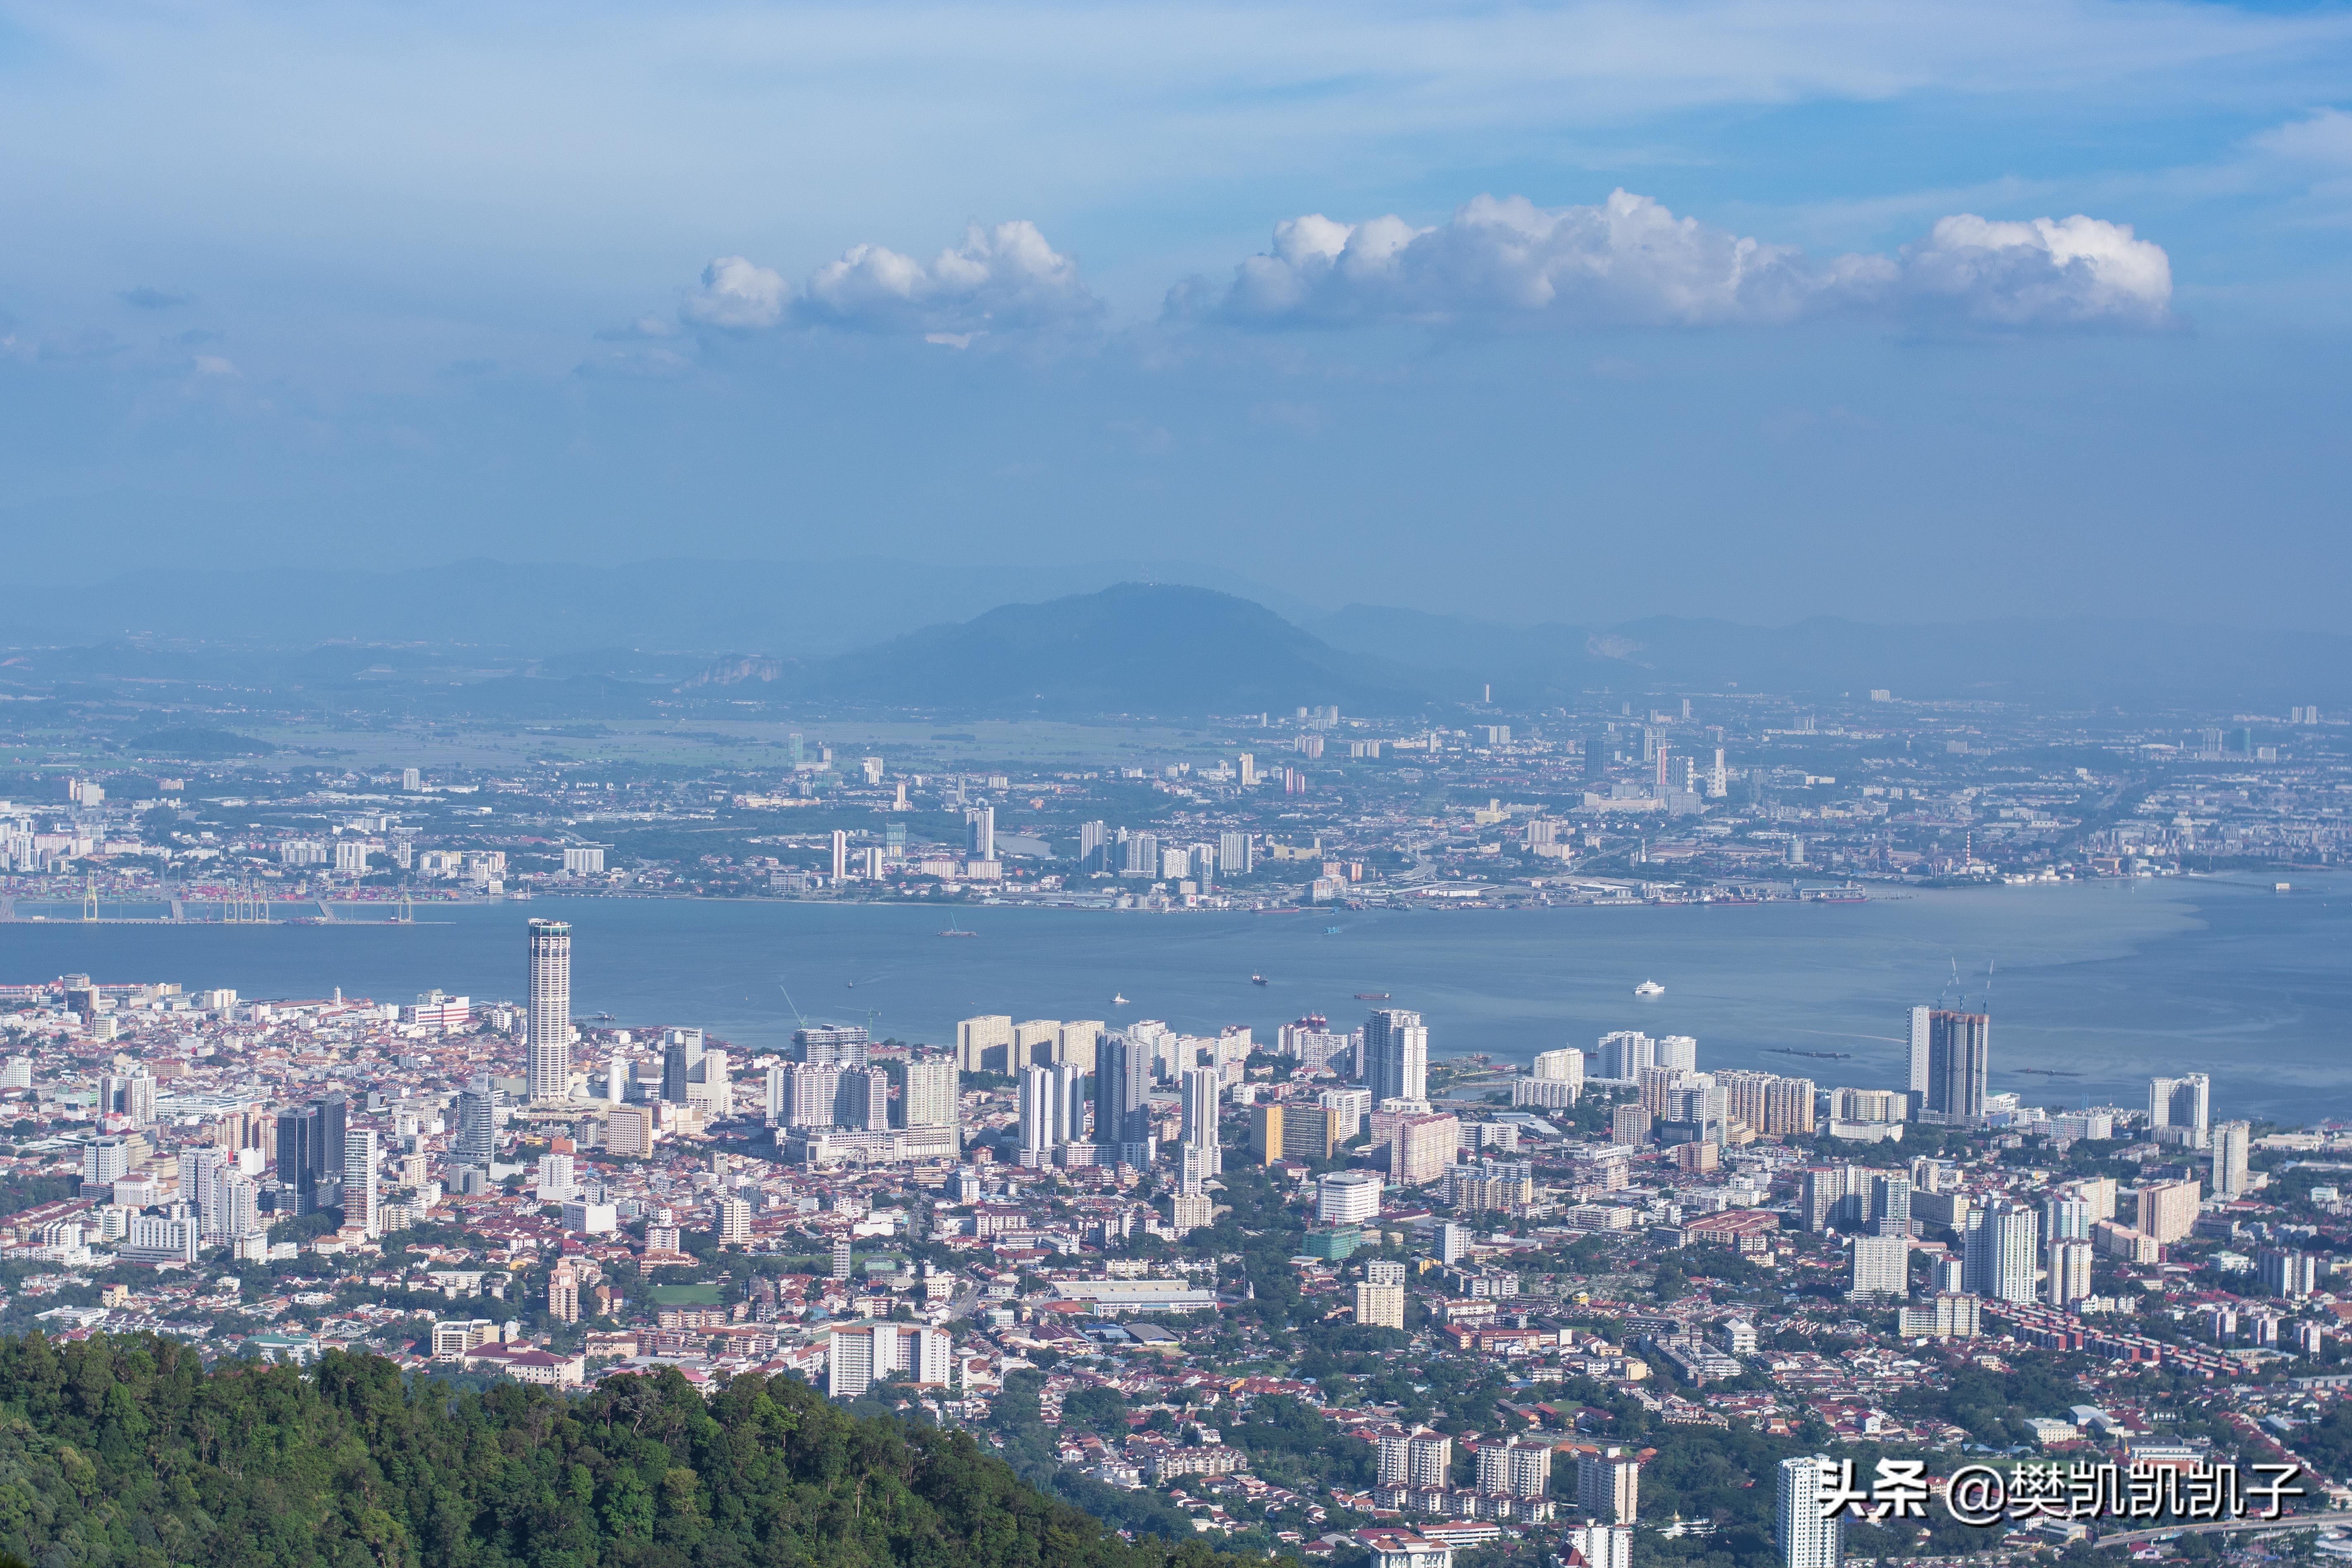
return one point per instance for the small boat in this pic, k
(1649, 988)
(954, 930)
(1372, 996)
(1257, 980)
(1117, 1000)
(1330, 930)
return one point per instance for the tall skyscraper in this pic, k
(928, 1099)
(1396, 1054)
(1625, 1054)
(980, 833)
(334, 1118)
(1805, 1539)
(1609, 1486)
(360, 1209)
(200, 1172)
(1036, 1106)
(1919, 1048)
(548, 1021)
(2002, 1243)
(298, 1155)
(2068, 1279)
(1203, 1089)
(1122, 1085)
(1959, 1060)
(477, 1127)
(681, 1048)
(2230, 1142)
(1236, 854)
(2186, 1102)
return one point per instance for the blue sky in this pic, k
(1579, 310)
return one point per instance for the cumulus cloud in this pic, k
(2060, 272)
(1630, 261)
(1003, 277)
(738, 295)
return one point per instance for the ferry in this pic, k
(1649, 988)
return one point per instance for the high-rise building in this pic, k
(1601, 1545)
(1203, 1089)
(1679, 1053)
(360, 1209)
(2068, 1279)
(1396, 1054)
(1999, 1249)
(1423, 1149)
(1565, 1065)
(985, 1044)
(1805, 1539)
(1237, 853)
(478, 1125)
(1347, 1197)
(1379, 1300)
(2066, 1217)
(1921, 1035)
(681, 1049)
(334, 1118)
(980, 833)
(1609, 1486)
(929, 1098)
(134, 1096)
(200, 1170)
(1959, 1061)
(2167, 1211)
(2230, 1142)
(2185, 1102)
(1882, 1268)
(840, 856)
(1520, 1467)
(1122, 1091)
(1266, 1143)
(1624, 1054)
(2287, 1273)
(1890, 1203)
(548, 1020)
(1036, 1109)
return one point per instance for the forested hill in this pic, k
(128, 1451)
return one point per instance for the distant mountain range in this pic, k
(532, 642)
(777, 608)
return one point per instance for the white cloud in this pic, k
(1003, 277)
(2322, 138)
(1630, 261)
(738, 295)
(2061, 272)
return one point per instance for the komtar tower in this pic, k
(548, 1027)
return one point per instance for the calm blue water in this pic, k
(2114, 981)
